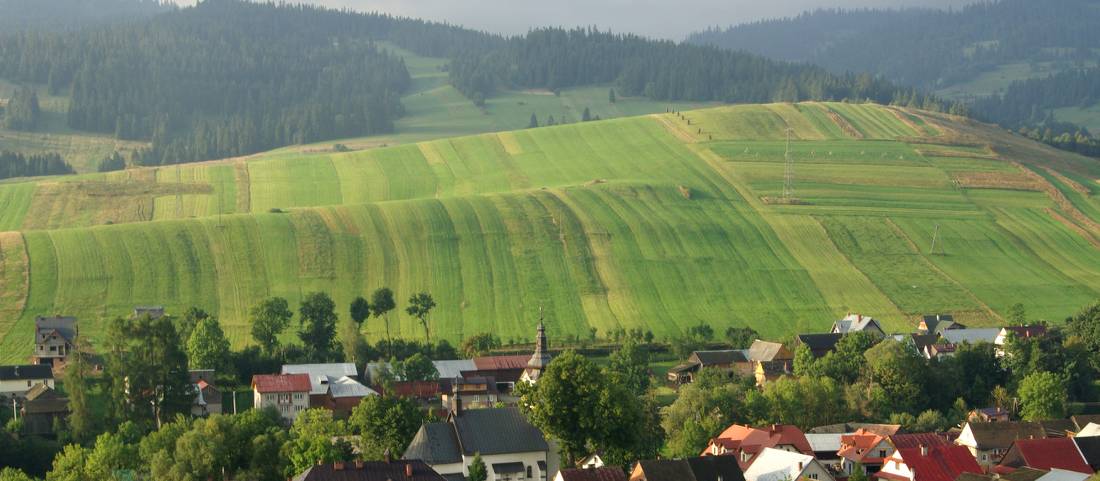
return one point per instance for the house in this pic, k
(54, 339)
(857, 323)
(511, 447)
(1091, 430)
(734, 361)
(594, 460)
(988, 415)
(939, 350)
(286, 393)
(1061, 453)
(916, 440)
(1060, 475)
(591, 474)
(1019, 332)
(388, 470)
(825, 447)
(764, 351)
(153, 312)
(779, 465)
(17, 380)
(539, 359)
(970, 335)
(208, 398)
(42, 408)
(846, 428)
(1058, 428)
(937, 323)
(928, 463)
(863, 448)
(1022, 474)
(1082, 420)
(919, 342)
(746, 442)
(711, 468)
(819, 344)
(473, 392)
(333, 386)
(1089, 446)
(988, 442)
(768, 371)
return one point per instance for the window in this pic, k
(28, 384)
(882, 453)
(813, 475)
(528, 472)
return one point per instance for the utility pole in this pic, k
(935, 235)
(788, 170)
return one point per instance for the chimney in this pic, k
(387, 456)
(775, 428)
(923, 450)
(408, 470)
(338, 466)
(456, 401)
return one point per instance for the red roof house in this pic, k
(864, 448)
(1049, 453)
(746, 442)
(929, 463)
(916, 440)
(274, 383)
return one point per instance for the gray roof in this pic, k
(26, 372)
(729, 356)
(972, 336)
(497, 431)
(435, 443)
(66, 326)
(452, 369)
(347, 387)
(764, 350)
(320, 375)
(855, 323)
(824, 442)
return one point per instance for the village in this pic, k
(477, 428)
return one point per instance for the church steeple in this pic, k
(541, 357)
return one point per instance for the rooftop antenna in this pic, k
(788, 170)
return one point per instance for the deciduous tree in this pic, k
(1042, 396)
(317, 319)
(208, 348)
(420, 305)
(269, 319)
(385, 423)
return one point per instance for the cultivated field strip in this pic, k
(641, 222)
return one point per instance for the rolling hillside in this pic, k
(649, 222)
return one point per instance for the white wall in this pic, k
(18, 387)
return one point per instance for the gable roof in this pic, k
(453, 368)
(26, 372)
(1024, 474)
(715, 468)
(856, 323)
(1050, 453)
(435, 443)
(1001, 435)
(937, 322)
(265, 383)
(665, 470)
(1062, 475)
(767, 351)
(496, 431)
(754, 440)
(728, 356)
(778, 465)
(916, 440)
(859, 447)
(845, 428)
(40, 399)
(346, 387)
(1057, 428)
(320, 375)
(1089, 447)
(923, 341)
(501, 363)
(820, 343)
(942, 463)
(971, 335)
(64, 326)
(824, 442)
(369, 471)
(593, 474)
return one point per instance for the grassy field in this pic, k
(647, 221)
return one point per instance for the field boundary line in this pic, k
(931, 265)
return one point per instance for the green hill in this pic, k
(645, 222)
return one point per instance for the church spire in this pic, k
(541, 357)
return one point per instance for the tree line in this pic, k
(555, 58)
(15, 164)
(924, 48)
(58, 15)
(21, 112)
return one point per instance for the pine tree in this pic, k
(586, 116)
(611, 95)
(534, 122)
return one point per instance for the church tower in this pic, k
(541, 358)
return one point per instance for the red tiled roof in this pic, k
(916, 440)
(1061, 453)
(753, 440)
(418, 389)
(593, 474)
(496, 363)
(943, 463)
(858, 447)
(281, 383)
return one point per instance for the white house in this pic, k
(779, 465)
(988, 442)
(287, 393)
(332, 386)
(16, 380)
(857, 323)
(511, 447)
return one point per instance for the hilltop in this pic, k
(660, 222)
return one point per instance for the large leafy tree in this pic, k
(899, 371)
(317, 318)
(577, 404)
(703, 408)
(147, 368)
(385, 423)
(359, 310)
(1042, 396)
(311, 441)
(381, 303)
(269, 319)
(479, 344)
(420, 305)
(629, 366)
(415, 368)
(208, 347)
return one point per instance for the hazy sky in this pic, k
(662, 18)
